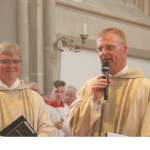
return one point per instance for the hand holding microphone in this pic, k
(101, 84)
(105, 72)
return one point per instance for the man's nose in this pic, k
(60, 94)
(11, 63)
(103, 52)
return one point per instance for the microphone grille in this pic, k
(105, 63)
(105, 66)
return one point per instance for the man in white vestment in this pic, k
(16, 98)
(127, 111)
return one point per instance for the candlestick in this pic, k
(84, 28)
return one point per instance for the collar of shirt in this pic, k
(55, 104)
(14, 86)
(123, 71)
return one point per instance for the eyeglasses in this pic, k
(7, 61)
(109, 47)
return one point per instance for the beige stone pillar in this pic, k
(51, 56)
(132, 2)
(22, 35)
(40, 65)
(36, 41)
(141, 2)
(135, 2)
(129, 2)
(147, 7)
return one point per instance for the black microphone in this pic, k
(105, 72)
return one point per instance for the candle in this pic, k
(84, 28)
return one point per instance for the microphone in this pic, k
(105, 72)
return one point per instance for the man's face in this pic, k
(58, 93)
(9, 68)
(70, 97)
(112, 49)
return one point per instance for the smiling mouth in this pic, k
(108, 60)
(11, 71)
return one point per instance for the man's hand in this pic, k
(59, 124)
(97, 88)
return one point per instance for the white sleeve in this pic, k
(95, 110)
(44, 123)
(66, 129)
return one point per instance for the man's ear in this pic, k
(125, 49)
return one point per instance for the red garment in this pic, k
(55, 104)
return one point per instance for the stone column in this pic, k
(51, 56)
(36, 41)
(141, 3)
(129, 2)
(40, 65)
(147, 7)
(22, 35)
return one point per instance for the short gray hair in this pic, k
(120, 33)
(71, 88)
(9, 47)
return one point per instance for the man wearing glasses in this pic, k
(16, 98)
(127, 111)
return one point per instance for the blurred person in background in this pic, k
(57, 109)
(35, 87)
(70, 95)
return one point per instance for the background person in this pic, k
(70, 95)
(57, 109)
